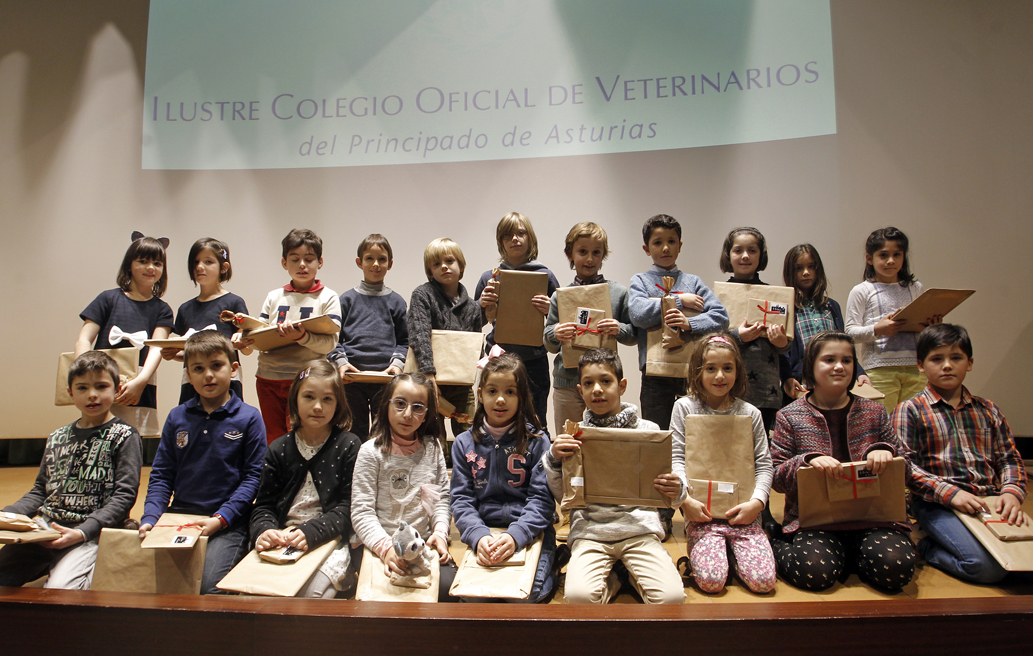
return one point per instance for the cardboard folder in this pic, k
(740, 302)
(571, 304)
(856, 504)
(928, 304)
(377, 377)
(22, 529)
(456, 353)
(169, 342)
(255, 576)
(620, 465)
(269, 338)
(375, 585)
(1014, 556)
(719, 460)
(123, 566)
(510, 580)
(127, 359)
(518, 321)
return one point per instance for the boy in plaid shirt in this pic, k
(963, 450)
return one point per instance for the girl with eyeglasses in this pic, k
(400, 475)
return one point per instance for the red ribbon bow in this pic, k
(180, 527)
(855, 480)
(663, 289)
(581, 331)
(764, 309)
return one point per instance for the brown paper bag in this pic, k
(720, 448)
(20, 536)
(517, 321)
(127, 359)
(123, 566)
(456, 353)
(1001, 529)
(1014, 556)
(169, 342)
(377, 377)
(282, 556)
(269, 338)
(768, 313)
(10, 521)
(737, 299)
(857, 483)
(568, 302)
(173, 531)
(374, 584)
(573, 476)
(672, 362)
(929, 303)
(255, 576)
(511, 580)
(718, 496)
(866, 392)
(817, 510)
(620, 465)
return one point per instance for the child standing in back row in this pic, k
(662, 237)
(518, 250)
(887, 354)
(744, 253)
(303, 297)
(374, 335)
(586, 247)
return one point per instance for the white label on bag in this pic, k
(577, 481)
(726, 488)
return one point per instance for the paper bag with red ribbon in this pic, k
(719, 454)
(123, 566)
(586, 306)
(741, 302)
(173, 531)
(573, 474)
(858, 482)
(767, 313)
(887, 505)
(1013, 555)
(1001, 529)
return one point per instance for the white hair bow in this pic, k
(136, 339)
(191, 331)
(495, 352)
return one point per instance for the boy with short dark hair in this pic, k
(374, 335)
(303, 297)
(209, 459)
(662, 237)
(88, 480)
(602, 534)
(963, 449)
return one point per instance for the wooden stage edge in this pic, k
(125, 623)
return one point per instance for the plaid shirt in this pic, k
(812, 320)
(969, 448)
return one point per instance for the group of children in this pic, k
(352, 461)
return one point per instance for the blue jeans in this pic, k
(952, 547)
(225, 549)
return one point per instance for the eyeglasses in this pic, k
(401, 405)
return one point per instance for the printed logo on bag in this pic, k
(778, 308)
(180, 539)
(582, 316)
(182, 437)
(233, 435)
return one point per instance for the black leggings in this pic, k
(814, 560)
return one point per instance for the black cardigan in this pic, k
(283, 474)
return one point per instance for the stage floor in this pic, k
(929, 583)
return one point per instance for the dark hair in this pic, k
(726, 249)
(147, 249)
(208, 343)
(93, 361)
(375, 239)
(943, 334)
(222, 256)
(525, 414)
(380, 433)
(819, 293)
(320, 369)
(717, 340)
(659, 221)
(301, 237)
(603, 356)
(585, 230)
(814, 349)
(877, 240)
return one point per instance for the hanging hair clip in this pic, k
(719, 338)
(225, 255)
(303, 374)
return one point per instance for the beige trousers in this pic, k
(590, 579)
